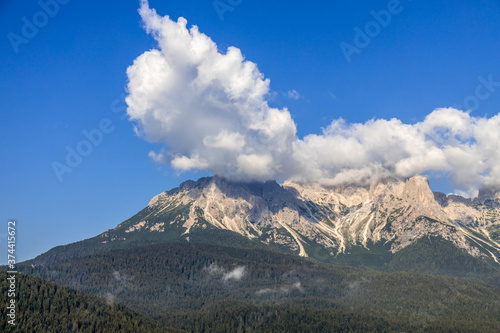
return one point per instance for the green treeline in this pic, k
(195, 287)
(44, 306)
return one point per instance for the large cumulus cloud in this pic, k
(209, 109)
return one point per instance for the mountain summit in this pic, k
(385, 217)
(301, 217)
(216, 244)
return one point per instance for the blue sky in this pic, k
(71, 75)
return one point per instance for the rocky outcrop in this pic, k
(300, 215)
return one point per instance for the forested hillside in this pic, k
(188, 285)
(43, 306)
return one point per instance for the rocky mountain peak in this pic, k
(298, 215)
(417, 189)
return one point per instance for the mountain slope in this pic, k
(199, 284)
(375, 222)
(43, 306)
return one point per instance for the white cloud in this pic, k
(236, 274)
(187, 163)
(256, 166)
(214, 269)
(209, 108)
(446, 140)
(225, 140)
(293, 94)
(110, 299)
(285, 289)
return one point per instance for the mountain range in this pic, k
(215, 255)
(326, 223)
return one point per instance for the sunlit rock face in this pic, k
(298, 216)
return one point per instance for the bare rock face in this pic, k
(299, 216)
(418, 193)
(441, 198)
(417, 189)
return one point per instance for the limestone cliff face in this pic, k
(299, 216)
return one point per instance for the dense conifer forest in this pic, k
(43, 306)
(210, 288)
